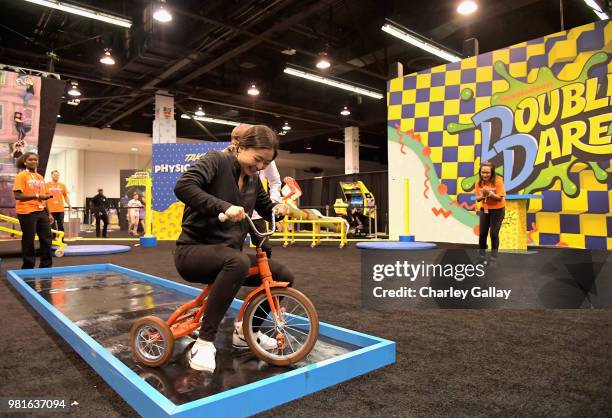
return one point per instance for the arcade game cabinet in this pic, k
(358, 207)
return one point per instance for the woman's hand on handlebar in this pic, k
(280, 210)
(235, 213)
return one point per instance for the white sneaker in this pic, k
(202, 356)
(238, 340)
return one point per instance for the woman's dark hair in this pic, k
(486, 164)
(17, 113)
(259, 136)
(21, 160)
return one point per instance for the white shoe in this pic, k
(238, 340)
(202, 356)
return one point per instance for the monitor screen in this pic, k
(356, 201)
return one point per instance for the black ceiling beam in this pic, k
(177, 65)
(364, 38)
(132, 109)
(196, 122)
(276, 44)
(239, 105)
(284, 25)
(268, 107)
(265, 111)
(42, 58)
(231, 54)
(196, 54)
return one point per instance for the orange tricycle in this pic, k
(284, 314)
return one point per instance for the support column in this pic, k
(164, 132)
(351, 150)
(164, 125)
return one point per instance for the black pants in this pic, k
(58, 218)
(490, 221)
(32, 224)
(260, 224)
(101, 214)
(227, 269)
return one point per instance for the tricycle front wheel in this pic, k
(152, 341)
(295, 327)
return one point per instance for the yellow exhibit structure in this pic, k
(58, 236)
(143, 179)
(322, 228)
(513, 234)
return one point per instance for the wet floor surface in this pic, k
(105, 304)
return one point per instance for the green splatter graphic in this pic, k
(454, 128)
(551, 173)
(517, 91)
(467, 94)
(600, 174)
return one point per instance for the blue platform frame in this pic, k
(242, 401)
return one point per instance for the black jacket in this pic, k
(210, 187)
(99, 202)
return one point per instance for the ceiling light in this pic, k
(200, 111)
(345, 111)
(82, 11)
(597, 9)
(107, 58)
(308, 147)
(59, 116)
(288, 51)
(74, 102)
(412, 38)
(211, 120)
(253, 91)
(282, 133)
(161, 14)
(467, 7)
(74, 89)
(323, 62)
(333, 82)
(286, 127)
(134, 149)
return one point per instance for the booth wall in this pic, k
(540, 110)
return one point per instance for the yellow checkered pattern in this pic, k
(428, 101)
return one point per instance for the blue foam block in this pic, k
(148, 242)
(95, 249)
(392, 245)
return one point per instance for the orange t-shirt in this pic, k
(29, 184)
(58, 191)
(498, 189)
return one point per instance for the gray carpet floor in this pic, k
(449, 362)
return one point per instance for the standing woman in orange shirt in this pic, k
(31, 206)
(491, 194)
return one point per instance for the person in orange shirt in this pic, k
(56, 203)
(34, 218)
(491, 194)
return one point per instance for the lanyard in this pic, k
(35, 182)
(36, 185)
